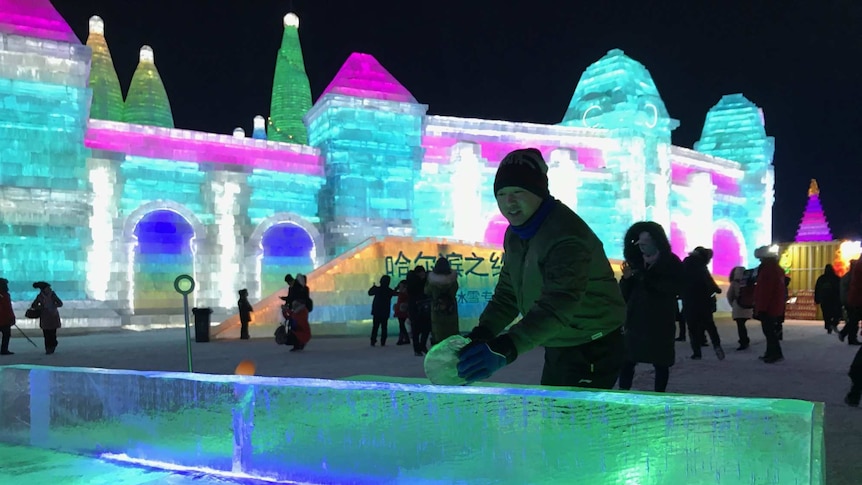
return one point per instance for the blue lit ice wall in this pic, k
(373, 149)
(164, 252)
(149, 179)
(272, 192)
(287, 248)
(44, 103)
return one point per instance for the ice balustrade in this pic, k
(360, 431)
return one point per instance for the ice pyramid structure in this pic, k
(617, 91)
(291, 93)
(736, 129)
(362, 76)
(107, 98)
(147, 102)
(813, 227)
(34, 18)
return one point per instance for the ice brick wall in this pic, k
(323, 431)
(168, 202)
(44, 101)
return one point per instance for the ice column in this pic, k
(101, 255)
(466, 193)
(563, 180)
(700, 225)
(228, 243)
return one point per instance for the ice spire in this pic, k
(813, 226)
(147, 102)
(291, 93)
(259, 132)
(107, 98)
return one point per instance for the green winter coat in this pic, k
(443, 291)
(560, 281)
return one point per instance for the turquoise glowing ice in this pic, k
(324, 431)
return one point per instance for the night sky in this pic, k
(521, 61)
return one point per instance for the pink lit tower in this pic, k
(813, 227)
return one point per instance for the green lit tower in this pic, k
(147, 102)
(107, 98)
(291, 93)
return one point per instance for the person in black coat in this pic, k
(380, 309)
(652, 279)
(698, 301)
(245, 311)
(419, 305)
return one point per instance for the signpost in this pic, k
(185, 284)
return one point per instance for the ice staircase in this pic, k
(339, 288)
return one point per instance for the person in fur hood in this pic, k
(442, 287)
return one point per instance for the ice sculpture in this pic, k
(373, 150)
(147, 101)
(107, 101)
(291, 93)
(43, 187)
(813, 226)
(322, 431)
(375, 165)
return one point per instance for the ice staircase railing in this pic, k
(323, 431)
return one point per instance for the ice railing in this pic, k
(323, 431)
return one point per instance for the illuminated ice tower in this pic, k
(147, 102)
(43, 182)
(813, 226)
(291, 94)
(735, 129)
(369, 128)
(617, 93)
(107, 98)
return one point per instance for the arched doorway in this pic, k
(727, 251)
(163, 251)
(287, 248)
(495, 232)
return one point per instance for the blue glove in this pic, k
(480, 360)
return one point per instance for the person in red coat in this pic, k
(769, 301)
(7, 316)
(299, 331)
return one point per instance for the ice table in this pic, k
(402, 431)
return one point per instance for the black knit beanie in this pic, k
(523, 168)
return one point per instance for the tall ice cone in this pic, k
(147, 102)
(291, 93)
(107, 98)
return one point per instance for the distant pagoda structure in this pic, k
(814, 226)
(291, 92)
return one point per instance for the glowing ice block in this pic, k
(323, 431)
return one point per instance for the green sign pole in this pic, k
(185, 284)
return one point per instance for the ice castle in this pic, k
(109, 201)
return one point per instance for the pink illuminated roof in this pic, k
(362, 76)
(193, 146)
(34, 18)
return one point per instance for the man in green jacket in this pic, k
(557, 277)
